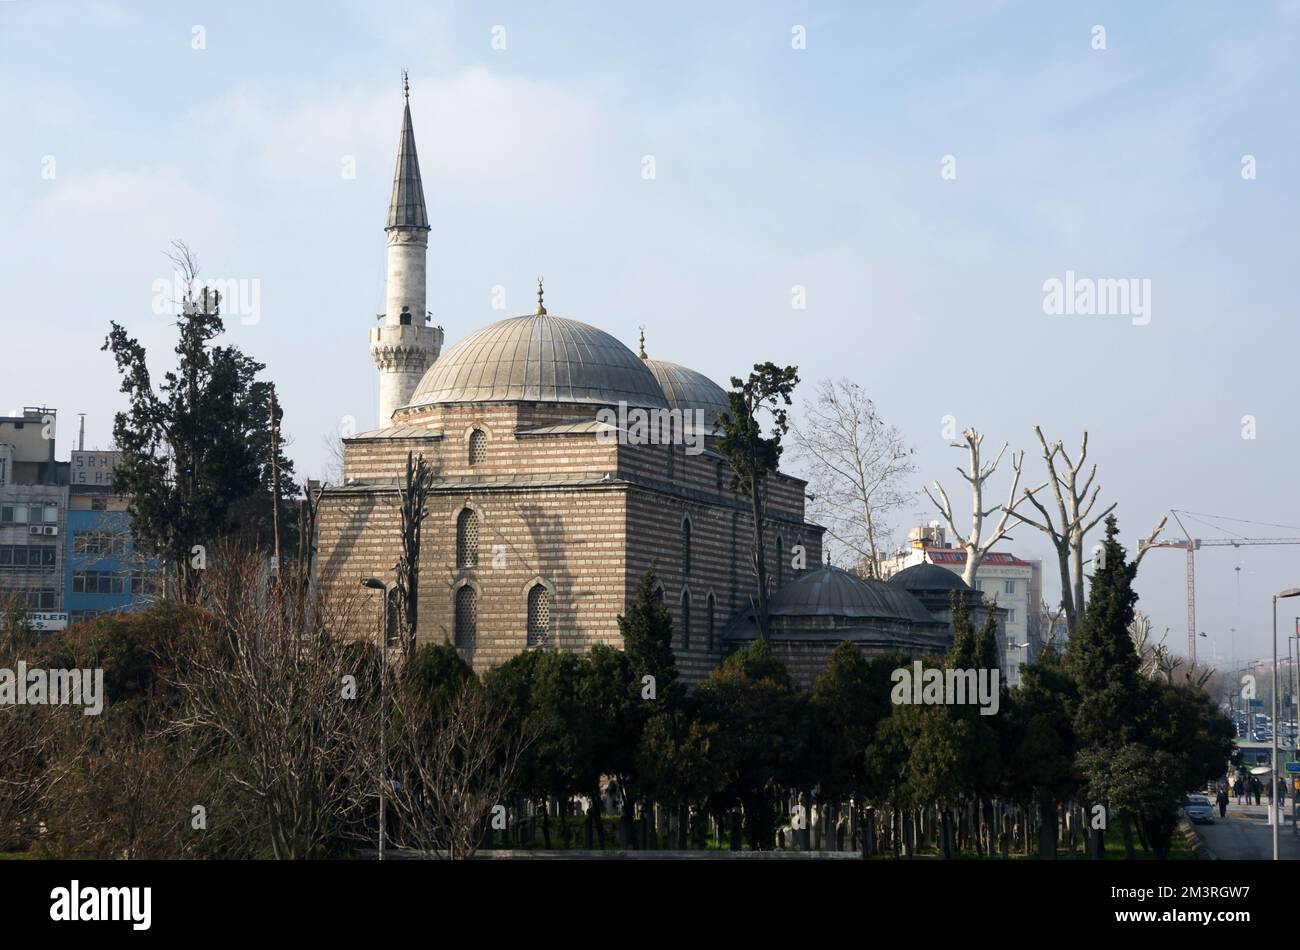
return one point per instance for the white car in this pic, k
(1198, 809)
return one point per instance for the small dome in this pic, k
(833, 592)
(539, 358)
(687, 389)
(927, 576)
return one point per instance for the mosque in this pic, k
(543, 516)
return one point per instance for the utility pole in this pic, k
(275, 479)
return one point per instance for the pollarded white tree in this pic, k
(976, 474)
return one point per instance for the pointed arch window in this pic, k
(539, 616)
(467, 539)
(466, 616)
(686, 547)
(477, 447)
(686, 620)
(709, 618)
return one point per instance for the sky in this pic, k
(920, 170)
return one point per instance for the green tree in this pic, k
(647, 630)
(612, 716)
(848, 701)
(676, 763)
(754, 456)
(436, 674)
(752, 700)
(1041, 743)
(196, 454)
(538, 691)
(1110, 721)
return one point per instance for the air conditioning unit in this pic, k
(51, 529)
(35, 529)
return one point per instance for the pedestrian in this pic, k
(1258, 788)
(1222, 799)
(1239, 789)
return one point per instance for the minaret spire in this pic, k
(405, 345)
(407, 209)
(642, 353)
(541, 309)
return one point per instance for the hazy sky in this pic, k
(774, 167)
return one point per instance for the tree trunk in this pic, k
(1047, 830)
(760, 561)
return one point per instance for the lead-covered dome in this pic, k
(539, 358)
(927, 576)
(687, 389)
(832, 592)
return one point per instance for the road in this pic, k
(1245, 835)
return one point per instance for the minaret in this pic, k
(405, 346)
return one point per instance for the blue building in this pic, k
(103, 570)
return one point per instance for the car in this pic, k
(1198, 809)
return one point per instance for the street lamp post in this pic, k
(374, 583)
(1276, 772)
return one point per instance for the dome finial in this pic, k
(642, 353)
(541, 310)
(406, 84)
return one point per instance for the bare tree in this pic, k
(413, 500)
(120, 790)
(976, 475)
(288, 703)
(856, 466)
(27, 737)
(455, 766)
(1074, 504)
(186, 263)
(1157, 661)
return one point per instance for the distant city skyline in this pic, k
(914, 176)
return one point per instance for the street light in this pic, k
(1276, 776)
(375, 583)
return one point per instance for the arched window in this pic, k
(657, 593)
(686, 547)
(466, 616)
(708, 606)
(477, 447)
(467, 538)
(539, 616)
(686, 620)
(780, 560)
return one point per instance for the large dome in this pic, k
(539, 358)
(687, 389)
(832, 592)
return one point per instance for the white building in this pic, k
(1013, 583)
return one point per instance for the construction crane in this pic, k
(1191, 545)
